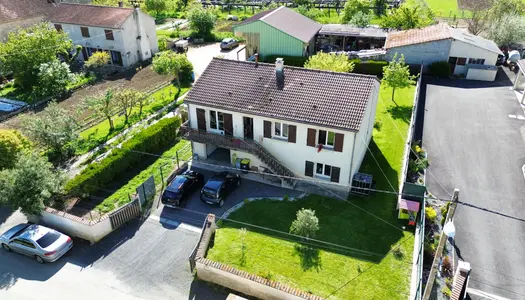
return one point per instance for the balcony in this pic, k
(231, 142)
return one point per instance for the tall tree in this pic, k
(352, 7)
(30, 184)
(408, 17)
(157, 6)
(28, 48)
(103, 106)
(508, 30)
(478, 19)
(11, 143)
(202, 21)
(329, 62)
(397, 75)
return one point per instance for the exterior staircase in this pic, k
(235, 143)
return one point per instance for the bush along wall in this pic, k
(439, 69)
(370, 67)
(154, 139)
(296, 61)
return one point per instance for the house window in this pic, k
(216, 120)
(452, 60)
(116, 57)
(322, 171)
(85, 31)
(462, 61)
(281, 130)
(476, 61)
(109, 34)
(326, 138)
(58, 27)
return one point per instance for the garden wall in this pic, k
(236, 279)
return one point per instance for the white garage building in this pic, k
(468, 55)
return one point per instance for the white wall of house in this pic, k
(483, 75)
(462, 49)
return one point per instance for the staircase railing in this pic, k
(231, 142)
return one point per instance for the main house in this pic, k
(293, 122)
(128, 34)
(468, 55)
(21, 13)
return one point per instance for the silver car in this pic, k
(42, 243)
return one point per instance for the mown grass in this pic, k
(331, 271)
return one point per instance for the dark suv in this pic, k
(180, 187)
(219, 186)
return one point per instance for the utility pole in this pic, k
(441, 245)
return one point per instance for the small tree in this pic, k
(202, 21)
(98, 60)
(125, 100)
(53, 78)
(30, 184)
(397, 75)
(163, 43)
(103, 106)
(360, 19)
(55, 128)
(171, 63)
(157, 6)
(11, 143)
(352, 7)
(408, 16)
(329, 62)
(306, 224)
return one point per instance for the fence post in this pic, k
(161, 176)
(177, 156)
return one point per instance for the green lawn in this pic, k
(323, 271)
(101, 132)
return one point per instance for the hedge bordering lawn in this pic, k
(296, 61)
(154, 139)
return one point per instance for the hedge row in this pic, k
(370, 67)
(154, 139)
(296, 61)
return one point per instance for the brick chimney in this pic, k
(279, 73)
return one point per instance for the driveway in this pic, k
(201, 55)
(149, 261)
(194, 212)
(474, 135)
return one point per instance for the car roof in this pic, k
(34, 232)
(227, 40)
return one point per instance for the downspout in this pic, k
(352, 160)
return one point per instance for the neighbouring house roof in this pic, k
(329, 99)
(437, 32)
(89, 15)
(11, 10)
(349, 30)
(287, 21)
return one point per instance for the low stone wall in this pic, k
(235, 279)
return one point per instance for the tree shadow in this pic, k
(309, 256)
(403, 112)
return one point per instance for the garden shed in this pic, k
(280, 31)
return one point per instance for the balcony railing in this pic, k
(231, 142)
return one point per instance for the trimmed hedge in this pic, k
(296, 61)
(439, 69)
(154, 139)
(371, 67)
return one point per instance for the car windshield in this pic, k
(225, 41)
(170, 194)
(177, 184)
(209, 192)
(48, 239)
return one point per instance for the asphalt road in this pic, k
(149, 261)
(475, 144)
(201, 55)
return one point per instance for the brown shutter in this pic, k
(228, 124)
(109, 34)
(84, 31)
(268, 129)
(310, 139)
(339, 141)
(292, 133)
(201, 119)
(334, 177)
(309, 169)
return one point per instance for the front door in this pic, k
(248, 127)
(201, 119)
(228, 124)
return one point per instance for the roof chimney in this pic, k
(121, 3)
(256, 59)
(279, 72)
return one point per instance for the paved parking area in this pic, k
(194, 211)
(475, 143)
(201, 55)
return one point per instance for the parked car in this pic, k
(42, 243)
(229, 43)
(220, 186)
(181, 187)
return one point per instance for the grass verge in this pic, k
(328, 271)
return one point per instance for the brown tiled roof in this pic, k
(289, 22)
(330, 99)
(89, 15)
(418, 36)
(22, 9)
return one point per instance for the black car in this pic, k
(180, 187)
(219, 186)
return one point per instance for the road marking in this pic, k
(176, 224)
(519, 117)
(485, 294)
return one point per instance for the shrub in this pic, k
(97, 60)
(306, 224)
(154, 139)
(447, 266)
(11, 143)
(446, 291)
(371, 67)
(439, 69)
(444, 210)
(430, 214)
(296, 61)
(162, 41)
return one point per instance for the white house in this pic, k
(293, 122)
(468, 55)
(127, 34)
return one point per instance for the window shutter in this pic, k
(228, 124)
(268, 129)
(335, 174)
(310, 139)
(292, 133)
(201, 119)
(339, 141)
(309, 169)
